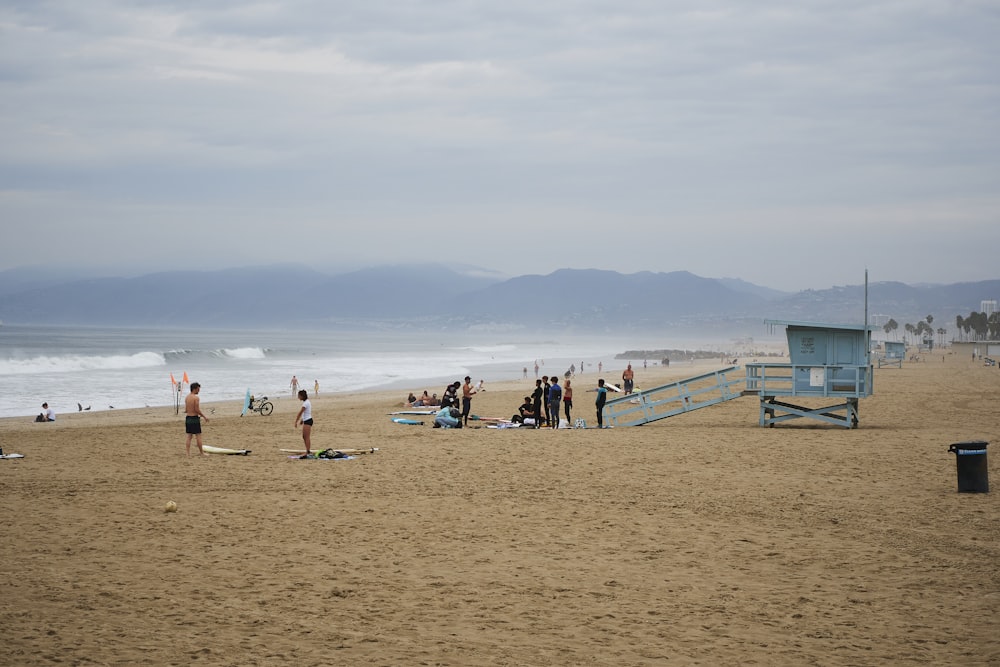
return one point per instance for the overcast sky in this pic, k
(789, 143)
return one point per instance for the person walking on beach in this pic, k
(555, 398)
(306, 419)
(568, 401)
(192, 417)
(315, 387)
(602, 398)
(467, 392)
(294, 384)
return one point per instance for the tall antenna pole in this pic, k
(868, 337)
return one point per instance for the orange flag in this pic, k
(172, 380)
(185, 377)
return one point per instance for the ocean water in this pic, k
(115, 368)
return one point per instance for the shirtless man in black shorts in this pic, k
(192, 417)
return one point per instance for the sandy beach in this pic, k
(702, 539)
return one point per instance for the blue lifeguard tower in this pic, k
(895, 352)
(825, 361)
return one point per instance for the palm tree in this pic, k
(959, 324)
(977, 323)
(941, 333)
(890, 327)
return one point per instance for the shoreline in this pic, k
(384, 393)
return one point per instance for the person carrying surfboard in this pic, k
(192, 418)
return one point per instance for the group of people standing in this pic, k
(543, 406)
(541, 409)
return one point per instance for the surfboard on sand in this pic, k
(414, 412)
(209, 449)
(11, 456)
(411, 422)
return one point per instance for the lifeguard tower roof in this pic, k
(817, 325)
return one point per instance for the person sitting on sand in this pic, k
(423, 401)
(525, 412)
(48, 416)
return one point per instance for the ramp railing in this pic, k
(701, 391)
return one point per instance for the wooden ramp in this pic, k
(642, 407)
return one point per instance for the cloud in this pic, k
(612, 132)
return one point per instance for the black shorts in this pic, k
(192, 425)
(308, 422)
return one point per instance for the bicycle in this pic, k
(261, 405)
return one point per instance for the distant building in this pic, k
(988, 306)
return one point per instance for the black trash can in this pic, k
(973, 473)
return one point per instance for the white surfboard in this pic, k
(209, 449)
(11, 456)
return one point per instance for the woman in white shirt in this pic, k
(305, 418)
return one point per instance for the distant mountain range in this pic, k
(441, 298)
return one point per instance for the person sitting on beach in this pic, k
(48, 416)
(419, 402)
(411, 399)
(525, 412)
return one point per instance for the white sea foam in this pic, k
(72, 363)
(121, 368)
(245, 353)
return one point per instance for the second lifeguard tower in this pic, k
(895, 352)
